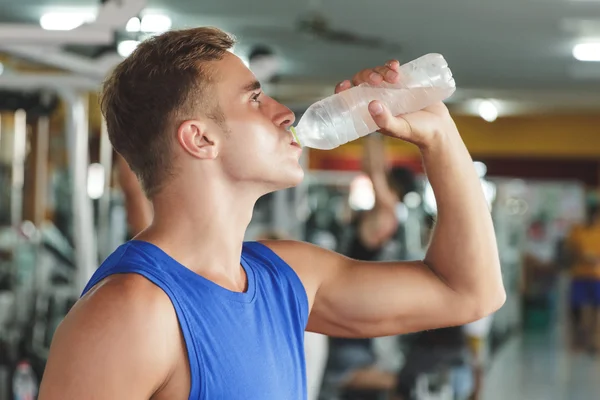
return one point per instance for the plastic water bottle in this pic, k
(344, 117)
(25, 386)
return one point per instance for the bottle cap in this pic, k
(293, 130)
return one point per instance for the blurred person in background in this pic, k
(374, 229)
(477, 335)
(353, 362)
(453, 357)
(583, 245)
(433, 354)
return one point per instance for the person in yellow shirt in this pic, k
(584, 247)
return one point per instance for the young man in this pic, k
(189, 311)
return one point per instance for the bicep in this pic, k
(368, 299)
(351, 298)
(105, 354)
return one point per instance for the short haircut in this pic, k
(165, 81)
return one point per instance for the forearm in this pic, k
(373, 162)
(374, 165)
(463, 250)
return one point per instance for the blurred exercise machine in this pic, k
(43, 264)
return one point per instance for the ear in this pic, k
(194, 137)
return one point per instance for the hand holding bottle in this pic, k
(420, 128)
(401, 90)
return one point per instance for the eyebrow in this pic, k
(251, 87)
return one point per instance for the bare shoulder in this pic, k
(301, 252)
(132, 291)
(123, 301)
(312, 263)
(120, 340)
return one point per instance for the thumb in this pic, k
(384, 119)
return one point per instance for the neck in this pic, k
(202, 227)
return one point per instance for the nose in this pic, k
(284, 117)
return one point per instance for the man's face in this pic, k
(258, 146)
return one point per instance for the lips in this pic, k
(293, 142)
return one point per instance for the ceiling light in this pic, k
(488, 111)
(64, 21)
(126, 47)
(133, 25)
(587, 52)
(264, 63)
(155, 23)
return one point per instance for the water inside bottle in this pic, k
(398, 100)
(344, 117)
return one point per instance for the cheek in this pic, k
(251, 146)
(255, 136)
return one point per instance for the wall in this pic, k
(566, 146)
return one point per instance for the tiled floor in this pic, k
(541, 368)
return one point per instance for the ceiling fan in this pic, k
(315, 24)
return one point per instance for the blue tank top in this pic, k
(240, 345)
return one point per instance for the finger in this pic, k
(344, 85)
(393, 64)
(397, 127)
(367, 75)
(388, 74)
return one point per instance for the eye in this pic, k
(255, 97)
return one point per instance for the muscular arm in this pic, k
(459, 280)
(375, 167)
(463, 252)
(118, 342)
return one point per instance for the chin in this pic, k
(291, 179)
(299, 177)
(295, 178)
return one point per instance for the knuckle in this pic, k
(367, 72)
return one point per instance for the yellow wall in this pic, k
(552, 136)
(566, 136)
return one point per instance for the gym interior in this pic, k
(527, 105)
